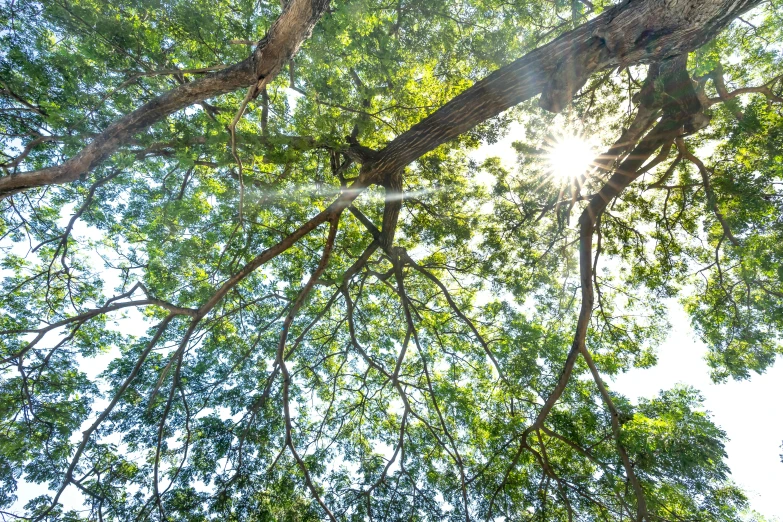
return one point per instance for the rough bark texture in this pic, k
(391, 209)
(633, 31)
(281, 42)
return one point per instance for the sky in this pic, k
(750, 412)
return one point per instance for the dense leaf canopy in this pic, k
(275, 299)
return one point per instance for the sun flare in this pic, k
(569, 156)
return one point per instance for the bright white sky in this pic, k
(750, 412)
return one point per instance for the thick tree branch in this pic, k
(630, 32)
(627, 33)
(280, 43)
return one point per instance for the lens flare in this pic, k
(569, 156)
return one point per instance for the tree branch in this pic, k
(280, 43)
(711, 200)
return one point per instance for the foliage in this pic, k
(341, 377)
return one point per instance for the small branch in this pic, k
(666, 175)
(711, 200)
(723, 94)
(28, 149)
(7, 90)
(89, 431)
(615, 419)
(284, 368)
(81, 318)
(458, 312)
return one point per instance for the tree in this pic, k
(332, 319)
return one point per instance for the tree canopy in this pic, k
(308, 300)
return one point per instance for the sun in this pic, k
(569, 156)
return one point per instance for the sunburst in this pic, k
(569, 156)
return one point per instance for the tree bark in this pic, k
(281, 42)
(633, 31)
